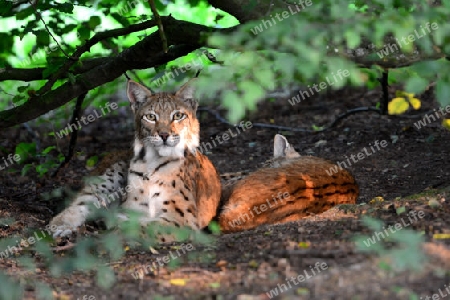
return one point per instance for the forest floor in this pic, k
(409, 177)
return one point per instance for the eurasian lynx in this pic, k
(168, 179)
(172, 183)
(289, 188)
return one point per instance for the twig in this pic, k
(384, 85)
(87, 45)
(215, 114)
(159, 23)
(38, 14)
(68, 246)
(211, 57)
(351, 112)
(73, 136)
(294, 129)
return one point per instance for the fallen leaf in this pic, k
(446, 123)
(439, 236)
(253, 264)
(179, 282)
(398, 106)
(221, 263)
(304, 244)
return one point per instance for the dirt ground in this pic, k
(410, 174)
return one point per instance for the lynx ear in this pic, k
(187, 94)
(282, 148)
(137, 94)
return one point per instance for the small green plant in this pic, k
(399, 249)
(43, 162)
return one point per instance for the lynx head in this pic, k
(165, 122)
(283, 152)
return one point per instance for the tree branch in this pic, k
(87, 46)
(38, 73)
(184, 36)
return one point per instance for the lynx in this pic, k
(287, 189)
(172, 183)
(168, 179)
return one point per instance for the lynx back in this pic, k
(289, 188)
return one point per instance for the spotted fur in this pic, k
(168, 179)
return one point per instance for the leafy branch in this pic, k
(184, 36)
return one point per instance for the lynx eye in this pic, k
(178, 116)
(150, 117)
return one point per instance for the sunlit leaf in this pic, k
(178, 281)
(415, 103)
(398, 106)
(446, 123)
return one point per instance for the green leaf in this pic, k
(105, 277)
(22, 88)
(372, 223)
(48, 149)
(94, 21)
(72, 78)
(11, 289)
(42, 169)
(51, 68)
(25, 169)
(353, 39)
(24, 13)
(43, 291)
(17, 99)
(91, 161)
(42, 38)
(65, 7)
(112, 243)
(401, 210)
(84, 33)
(416, 85)
(25, 151)
(214, 227)
(443, 92)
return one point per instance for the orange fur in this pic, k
(307, 189)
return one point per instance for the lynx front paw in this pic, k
(67, 222)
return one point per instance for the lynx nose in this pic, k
(164, 136)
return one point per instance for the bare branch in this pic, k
(38, 14)
(38, 73)
(160, 25)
